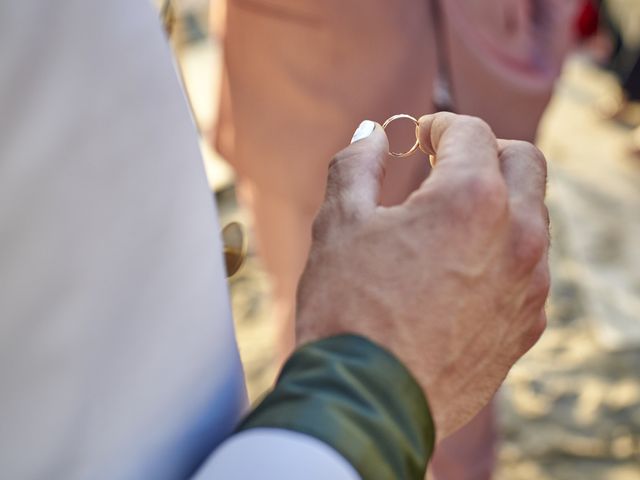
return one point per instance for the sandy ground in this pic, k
(571, 408)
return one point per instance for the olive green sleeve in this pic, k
(358, 398)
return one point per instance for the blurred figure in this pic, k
(624, 62)
(625, 49)
(300, 75)
(621, 59)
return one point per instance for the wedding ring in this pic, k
(415, 145)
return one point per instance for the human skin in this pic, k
(454, 280)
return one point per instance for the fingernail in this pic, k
(363, 131)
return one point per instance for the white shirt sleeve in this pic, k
(117, 351)
(265, 453)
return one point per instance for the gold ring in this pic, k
(415, 145)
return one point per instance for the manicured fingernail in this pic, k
(363, 130)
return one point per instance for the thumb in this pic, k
(356, 173)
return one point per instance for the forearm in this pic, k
(352, 396)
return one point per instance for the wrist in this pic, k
(358, 398)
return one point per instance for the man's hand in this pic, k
(453, 281)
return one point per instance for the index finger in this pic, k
(462, 145)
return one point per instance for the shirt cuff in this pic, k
(359, 399)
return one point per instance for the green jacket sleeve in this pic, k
(358, 398)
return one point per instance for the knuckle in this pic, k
(534, 332)
(487, 192)
(530, 153)
(539, 327)
(531, 243)
(538, 158)
(540, 286)
(483, 198)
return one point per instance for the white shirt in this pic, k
(117, 351)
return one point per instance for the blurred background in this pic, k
(571, 408)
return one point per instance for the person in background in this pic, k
(624, 50)
(619, 57)
(624, 62)
(335, 62)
